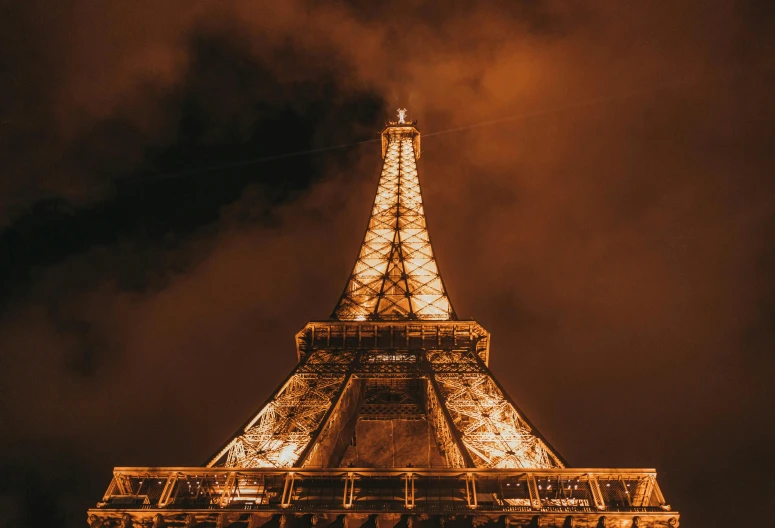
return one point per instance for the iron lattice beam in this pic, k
(284, 427)
(474, 421)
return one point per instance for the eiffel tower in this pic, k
(391, 417)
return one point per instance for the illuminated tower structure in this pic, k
(391, 417)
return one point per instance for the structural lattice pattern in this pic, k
(281, 431)
(490, 427)
(396, 276)
(444, 436)
(285, 425)
(474, 422)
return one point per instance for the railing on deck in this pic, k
(384, 490)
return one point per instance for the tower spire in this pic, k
(396, 276)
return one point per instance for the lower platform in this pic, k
(382, 498)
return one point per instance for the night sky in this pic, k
(611, 222)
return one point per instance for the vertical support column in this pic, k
(409, 491)
(331, 414)
(471, 491)
(346, 493)
(228, 489)
(456, 439)
(349, 490)
(288, 490)
(532, 488)
(166, 493)
(597, 494)
(627, 494)
(658, 495)
(642, 494)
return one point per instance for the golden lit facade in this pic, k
(396, 275)
(391, 415)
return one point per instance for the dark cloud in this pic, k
(614, 231)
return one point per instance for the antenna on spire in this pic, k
(402, 116)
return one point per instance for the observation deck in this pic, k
(220, 497)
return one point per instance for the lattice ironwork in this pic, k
(285, 426)
(396, 275)
(390, 398)
(445, 435)
(456, 361)
(490, 427)
(281, 431)
(389, 364)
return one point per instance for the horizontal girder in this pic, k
(355, 489)
(419, 335)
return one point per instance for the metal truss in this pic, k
(475, 423)
(490, 427)
(396, 275)
(285, 426)
(489, 424)
(446, 436)
(392, 397)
